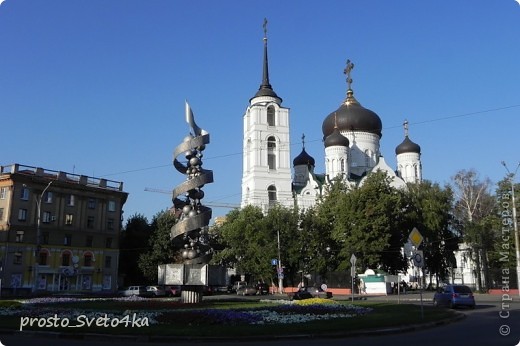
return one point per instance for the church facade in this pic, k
(351, 138)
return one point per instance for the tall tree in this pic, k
(431, 211)
(248, 246)
(473, 204)
(368, 222)
(134, 240)
(160, 248)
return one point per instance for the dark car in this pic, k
(454, 295)
(301, 294)
(262, 288)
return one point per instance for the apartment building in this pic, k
(59, 232)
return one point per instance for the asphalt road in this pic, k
(481, 326)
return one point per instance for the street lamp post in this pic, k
(38, 237)
(280, 268)
(515, 224)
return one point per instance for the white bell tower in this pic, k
(266, 172)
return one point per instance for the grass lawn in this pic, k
(213, 318)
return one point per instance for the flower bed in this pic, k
(155, 312)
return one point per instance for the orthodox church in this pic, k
(351, 138)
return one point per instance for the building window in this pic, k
(89, 241)
(17, 258)
(19, 236)
(45, 238)
(43, 258)
(67, 240)
(111, 205)
(3, 192)
(24, 194)
(90, 222)
(271, 192)
(65, 259)
(270, 116)
(71, 200)
(68, 219)
(110, 224)
(87, 260)
(47, 198)
(108, 261)
(91, 203)
(22, 214)
(1, 214)
(108, 243)
(46, 217)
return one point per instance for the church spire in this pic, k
(266, 88)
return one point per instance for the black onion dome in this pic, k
(351, 116)
(336, 139)
(304, 159)
(407, 146)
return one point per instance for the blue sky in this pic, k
(98, 87)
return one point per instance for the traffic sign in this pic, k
(415, 237)
(418, 258)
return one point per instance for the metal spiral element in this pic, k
(190, 233)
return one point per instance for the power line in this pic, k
(439, 118)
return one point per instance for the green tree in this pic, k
(431, 211)
(160, 248)
(366, 221)
(473, 206)
(247, 245)
(134, 237)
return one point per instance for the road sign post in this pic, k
(353, 272)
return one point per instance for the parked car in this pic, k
(173, 291)
(246, 291)
(301, 294)
(156, 291)
(135, 291)
(454, 295)
(237, 285)
(221, 289)
(262, 288)
(318, 292)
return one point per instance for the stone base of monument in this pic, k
(192, 278)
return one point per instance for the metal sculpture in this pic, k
(191, 230)
(190, 233)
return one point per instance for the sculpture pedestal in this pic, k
(191, 294)
(192, 278)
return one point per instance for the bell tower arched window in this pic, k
(270, 116)
(271, 193)
(271, 153)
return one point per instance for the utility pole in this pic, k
(38, 237)
(515, 223)
(280, 268)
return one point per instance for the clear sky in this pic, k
(98, 87)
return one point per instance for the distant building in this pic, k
(59, 232)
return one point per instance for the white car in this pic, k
(156, 291)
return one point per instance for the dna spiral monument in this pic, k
(190, 233)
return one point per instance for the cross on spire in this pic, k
(303, 140)
(265, 29)
(405, 126)
(347, 71)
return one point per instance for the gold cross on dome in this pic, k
(347, 71)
